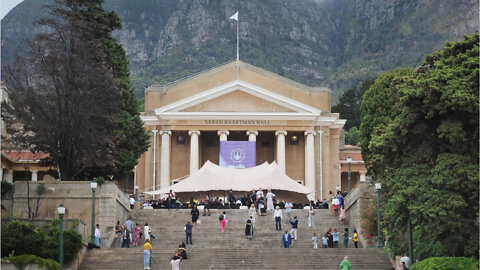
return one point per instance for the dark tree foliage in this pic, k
(132, 140)
(420, 138)
(77, 103)
(349, 104)
(63, 96)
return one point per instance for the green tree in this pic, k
(63, 97)
(352, 136)
(349, 104)
(132, 139)
(420, 137)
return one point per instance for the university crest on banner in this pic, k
(238, 154)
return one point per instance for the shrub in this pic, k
(446, 263)
(23, 260)
(24, 238)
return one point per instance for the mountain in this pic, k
(334, 43)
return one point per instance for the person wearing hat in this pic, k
(278, 218)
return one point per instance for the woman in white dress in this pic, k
(252, 212)
(311, 217)
(270, 196)
(146, 231)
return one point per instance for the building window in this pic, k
(181, 139)
(294, 140)
(266, 144)
(209, 144)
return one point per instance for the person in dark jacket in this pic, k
(188, 232)
(294, 223)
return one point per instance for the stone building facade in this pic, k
(291, 123)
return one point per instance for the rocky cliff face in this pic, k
(334, 43)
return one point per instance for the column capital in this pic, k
(320, 132)
(154, 131)
(194, 131)
(165, 131)
(252, 132)
(221, 132)
(283, 132)
(310, 132)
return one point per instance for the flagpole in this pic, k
(238, 58)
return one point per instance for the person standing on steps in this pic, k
(130, 226)
(335, 206)
(330, 238)
(147, 252)
(270, 197)
(336, 238)
(126, 237)
(314, 240)
(194, 213)
(355, 238)
(188, 232)
(278, 218)
(118, 235)
(146, 231)
(231, 199)
(223, 221)
(325, 241)
(288, 211)
(294, 227)
(286, 239)
(343, 214)
(249, 227)
(345, 238)
(252, 213)
(173, 199)
(345, 264)
(97, 235)
(132, 202)
(136, 235)
(311, 217)
(206, 207)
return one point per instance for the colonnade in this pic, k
(223, 136)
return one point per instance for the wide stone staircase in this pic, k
(212, 249)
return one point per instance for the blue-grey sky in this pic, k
(7, 5)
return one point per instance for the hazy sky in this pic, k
(6, 6)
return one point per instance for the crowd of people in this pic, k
(130, 234)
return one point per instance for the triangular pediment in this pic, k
(237, 101)
(233, 95)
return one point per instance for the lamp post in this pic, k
(410, 240)
(61, 212)
(349, 162)
(378, 186)
(93, 185)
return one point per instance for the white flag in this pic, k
(234, 16)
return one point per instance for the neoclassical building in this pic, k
(291, 124)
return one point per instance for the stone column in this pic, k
(223, 135)
(363, 176)
(281, 149)
(194, 150)
(165, 159)
(154, 162)
(34, 175)
(9, 176)
(310, 160)
(252, 135)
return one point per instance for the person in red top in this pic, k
(173, 199)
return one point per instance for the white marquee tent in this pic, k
(215, 179)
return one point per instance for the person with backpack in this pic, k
(223, 220)
(126, 237)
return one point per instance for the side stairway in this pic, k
(212, 249)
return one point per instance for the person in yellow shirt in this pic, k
(147, 252)
(355, 238)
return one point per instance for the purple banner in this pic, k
(238, 154)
